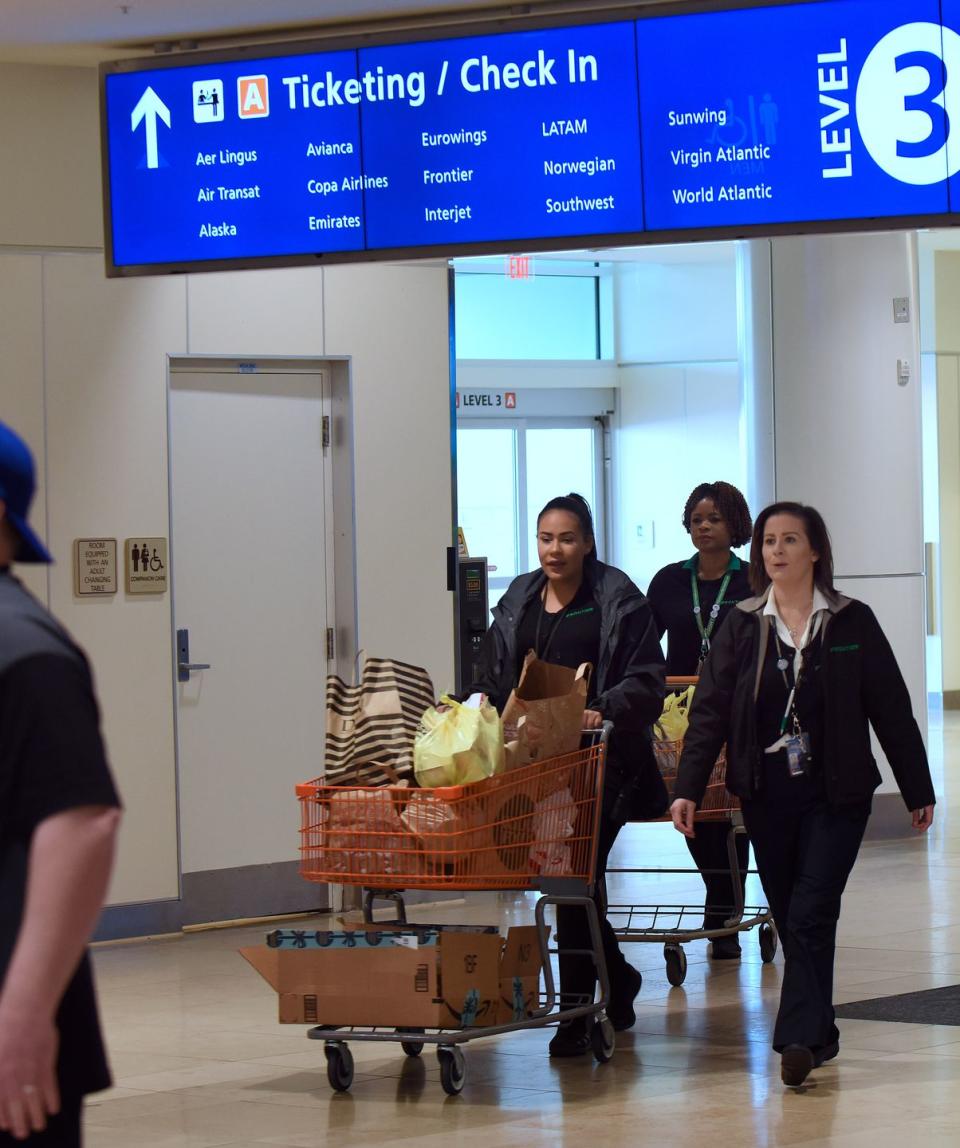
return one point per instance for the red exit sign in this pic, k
(519, 266)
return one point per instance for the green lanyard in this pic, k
(707, 631)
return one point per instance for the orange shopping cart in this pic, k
(673, 926)
(531, 828)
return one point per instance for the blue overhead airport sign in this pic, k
(418, 145)
(535, 132)
(759, 117)
(822, 112)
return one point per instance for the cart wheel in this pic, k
(339, 1066)
(411, 1047)
(768, 942)
(453, 1071)
(676, 960)
(603, 1039)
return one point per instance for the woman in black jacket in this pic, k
(576, 609)
(792, 684)
(690, 601)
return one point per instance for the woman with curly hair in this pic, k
(690, 601)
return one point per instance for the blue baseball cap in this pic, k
(17, 485)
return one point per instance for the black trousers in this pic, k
(62, 1131)
(709, 851)
(805, 850)
(577, 974)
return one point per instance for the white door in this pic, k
(251, 578)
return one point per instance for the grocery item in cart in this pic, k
(553, 826)
(458, 743)
(673, 721)
(543, 717)
(363, 834)
(447, 831)
(371, 724)
(669, 732)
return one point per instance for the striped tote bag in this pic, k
(371, 725)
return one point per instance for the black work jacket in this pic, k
(627, 686)
(862, 687)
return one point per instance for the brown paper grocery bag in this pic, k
(543, 716)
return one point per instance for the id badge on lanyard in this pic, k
(797, 745)
(799, 756)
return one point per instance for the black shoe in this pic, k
(796, 1063)
(828, 1052)
(570, 1039)
(622, 995)
(725, 949)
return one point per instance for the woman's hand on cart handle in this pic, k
(592, 719)
(682, 812)
(923, 818)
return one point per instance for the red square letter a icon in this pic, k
(253, 97)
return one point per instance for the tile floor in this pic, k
(200, 1061)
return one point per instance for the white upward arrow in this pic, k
(148, 108)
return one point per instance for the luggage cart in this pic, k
(532, 828)
(673, 926)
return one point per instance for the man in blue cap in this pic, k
(59, 814)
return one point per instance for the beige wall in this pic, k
(848, 436)
(944, 341)
(49, 158)
(84, 378)
(21, 377)
(948, 444)
(946, 303)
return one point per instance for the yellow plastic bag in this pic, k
(459, 744)
(672, 725)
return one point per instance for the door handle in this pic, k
(184, 665)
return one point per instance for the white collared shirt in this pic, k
(814, 622)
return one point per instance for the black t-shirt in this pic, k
(52, 759)
(777, 784)
(568, 637)
(671, 600)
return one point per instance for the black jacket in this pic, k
(627, 686)
(862, 686)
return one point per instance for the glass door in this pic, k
(507, 470)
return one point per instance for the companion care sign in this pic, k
(720, 121)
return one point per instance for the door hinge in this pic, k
(325, 432)
(330, 644)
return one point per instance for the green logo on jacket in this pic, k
(844, 649)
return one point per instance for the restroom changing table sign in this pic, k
(95, 566)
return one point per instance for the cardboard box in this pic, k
(418, 976)
(520, 969)
(449, 980)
